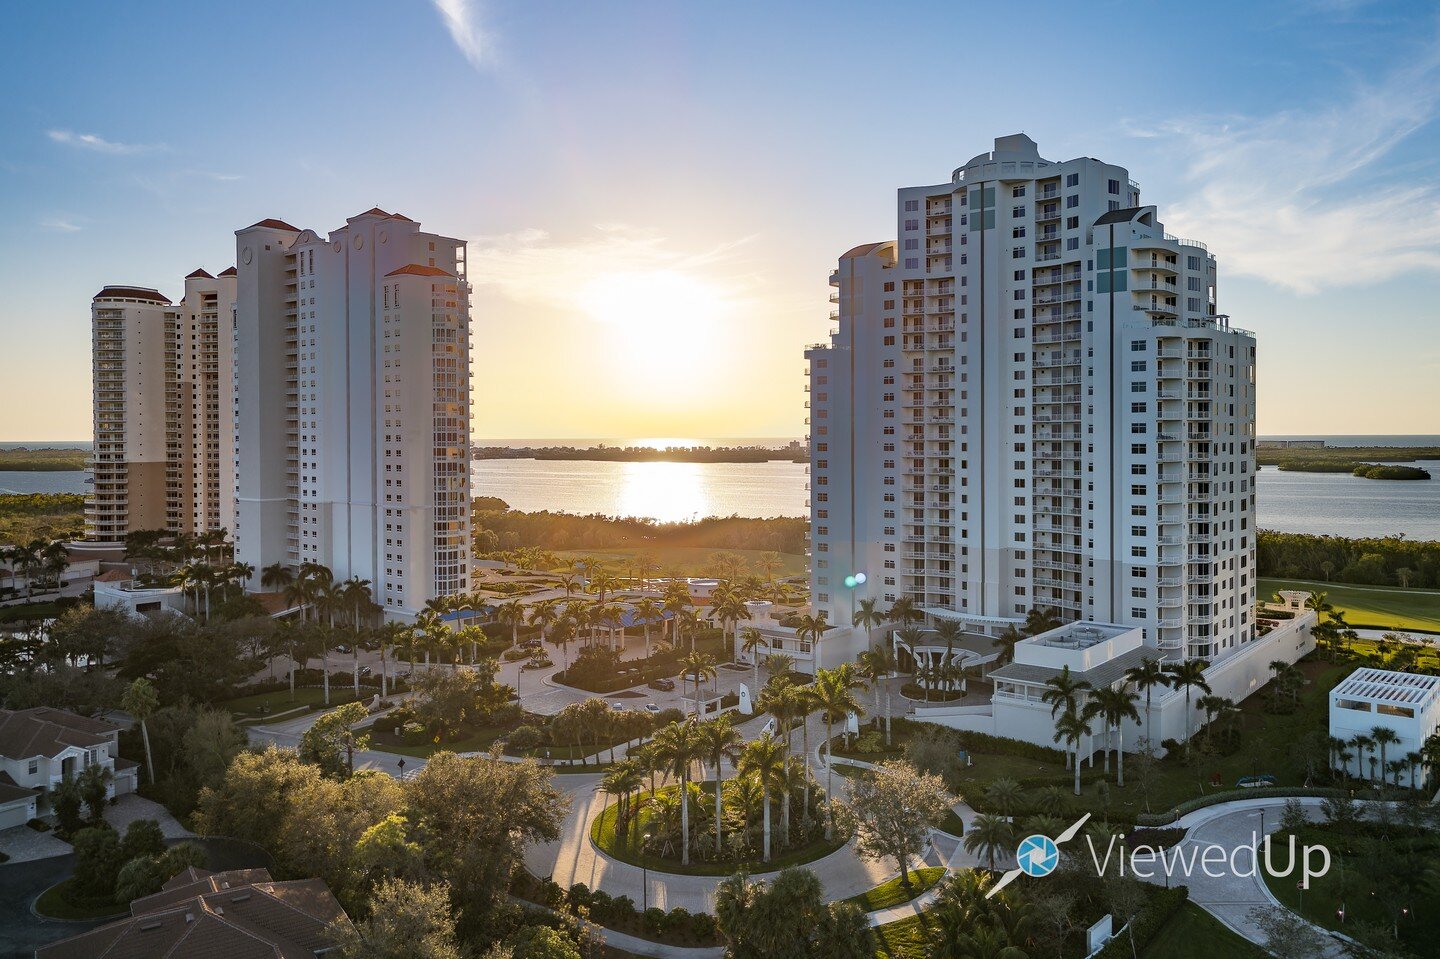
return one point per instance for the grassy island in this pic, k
(42, 460)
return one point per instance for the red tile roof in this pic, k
(113, 576)
(228, 272)
(43, 731)
(273, 224)
(132, 293)
(200, 274)
(416, 269)
(373, 211)
(401, 216)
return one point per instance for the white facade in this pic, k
(1408, 704)
(1030, 400)
(40, 747)
(352, 400)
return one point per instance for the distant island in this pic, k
(1355, 460)
(22, 459)
(794, 453)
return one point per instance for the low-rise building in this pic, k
(238, 914)
(118, 588)
(1407, 704)
(39, 747)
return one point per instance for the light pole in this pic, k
(644, 875)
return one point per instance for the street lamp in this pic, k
(644, 874)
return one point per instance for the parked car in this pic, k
(530, 644)
(664, 685)
(652, 709)
(617, 706)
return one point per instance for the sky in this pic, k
(654, 193)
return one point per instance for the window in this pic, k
(1072, 179)
(1072, 201)
(1017, 211)
(911, 206)
(1018, 192)
(912, 224)
(1115, 187)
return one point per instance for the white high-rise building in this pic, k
(1031, 400)
(352, 405)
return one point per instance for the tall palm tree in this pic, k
(904, 612)
(1146, 677)
(1384, 736)
(1189, 675)
(764, 759)
(1064, 692)
(677, 601)
(834, 692)
(717, 741)
(1362, 744)
(877, 664)
(512, 614)
(810, 628)
(1073, 728)
(677, 746)
(867, 615)
(729, 609)
(543, 616)
(647, 611)
(1041, 620)
(141, 701)
(1114, 705)
(752, 641)
(622, 781)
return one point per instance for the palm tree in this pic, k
(621, 781)
(1384, 736)
(1362, 744)
(765, 760)
(543, 616)
(779, 664)
(1073, 728)
(1188, 676)
(877, 664)
(834, 692)
(1006, 643)
(648, 611)
(1114, 706)
(677, 601)
(698, 667)
(717, 741)
(1063, 692)
(512, 614)
(677, 746)
(1003, 795)
(141, 701)
(752, 641)
(867, 616)
(903, 611)
(729, 609)
(1146, 676)
(989, 836)
(810, 628)
(1039, 621)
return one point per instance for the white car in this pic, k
(652, 709)
(617, 706)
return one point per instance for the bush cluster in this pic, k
(1147, 925)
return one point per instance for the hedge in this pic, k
(1163, 904)
(1230, 795)
(999, 745)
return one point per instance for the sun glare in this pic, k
(666, 304)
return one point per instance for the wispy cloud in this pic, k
(59, 224)
(98, 144)
(1314, 198)
(462, 19)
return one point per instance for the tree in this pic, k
(834, 692)
(752, 641)
(697, 667)
(1003, 795)
(210, 744)
(407, 920)
(1189, 675)
(893, 808)
(678, 745)
(481, 813)
(1286, 935)
(1113, 706)
(1006, 643)
(1146, 677)
(787, 918)
(140, 701)
(94, 786)
(1041, 620)
(1384, 736)
(989, 836)
(330, 742)
(764, 760)
(877, 664)
(717, 741)
(1073, 728)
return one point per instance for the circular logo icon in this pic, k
(1037, 856)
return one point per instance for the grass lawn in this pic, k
(268, 704)
(53, 904)
(602, 833)
(1404, 855)
(1192, 933)
(685, 560)
(892, 893)
(479, 740)
(1380, 607)
(906, 939)
(35, 611)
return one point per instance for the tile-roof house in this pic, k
(40, 746)
(240, 914)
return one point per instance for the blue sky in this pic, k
(655, 192)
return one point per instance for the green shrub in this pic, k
(1263, 792)
(1144, 927)
(524, 737)
(413, 734)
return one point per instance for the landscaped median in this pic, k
(660, 818)
(893, 893)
